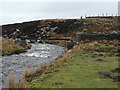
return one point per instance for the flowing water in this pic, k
(38, 54)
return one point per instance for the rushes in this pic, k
(41, 68)
(27, 72)
(11, 83)
(21, 84)
(9, 46)
(31, 72)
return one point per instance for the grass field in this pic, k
(82, 70)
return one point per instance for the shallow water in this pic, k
(38, 54)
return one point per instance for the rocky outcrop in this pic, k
(98, 36)
(92, 28)
(41, 29)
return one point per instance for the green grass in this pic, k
(106, 46)
(81, 71)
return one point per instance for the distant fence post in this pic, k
(81, 18)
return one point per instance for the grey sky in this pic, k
(13, 12)
(59, 0)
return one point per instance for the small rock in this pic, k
(100, 55)
(117, 55)
(110, 54)
(58, 83)
(14, 62)
(105, 74)
(100, 60)
(93, 56)
(116, 78)
(116, 70)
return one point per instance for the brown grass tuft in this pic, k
(9, 46)
(41, 68)
(11, 85)
(10, 79)
(27, 72)
(21, 84)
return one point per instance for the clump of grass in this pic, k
(56, 63)
(10, 79)
(9, 46)
(11, 85)
(65, 57)
(27, 72)
(38, 70)
(21, 84)
(41, 68)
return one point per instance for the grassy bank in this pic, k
(9, 47)
(88, 65)
(81, 67)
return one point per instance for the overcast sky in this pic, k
(14, 11)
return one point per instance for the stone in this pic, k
(58, 83)
(116, 70)
(116, 78)
(100, 54)
(14, 62)
(110, 54)
(32, 41)
(100, 60)
(70, 44)
(105, 74)
(117, 55)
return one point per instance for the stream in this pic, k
(38, 54)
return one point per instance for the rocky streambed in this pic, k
(38, 54)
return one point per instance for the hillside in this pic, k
(46, 28)
(90, 58)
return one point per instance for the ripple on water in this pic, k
(38, 54)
